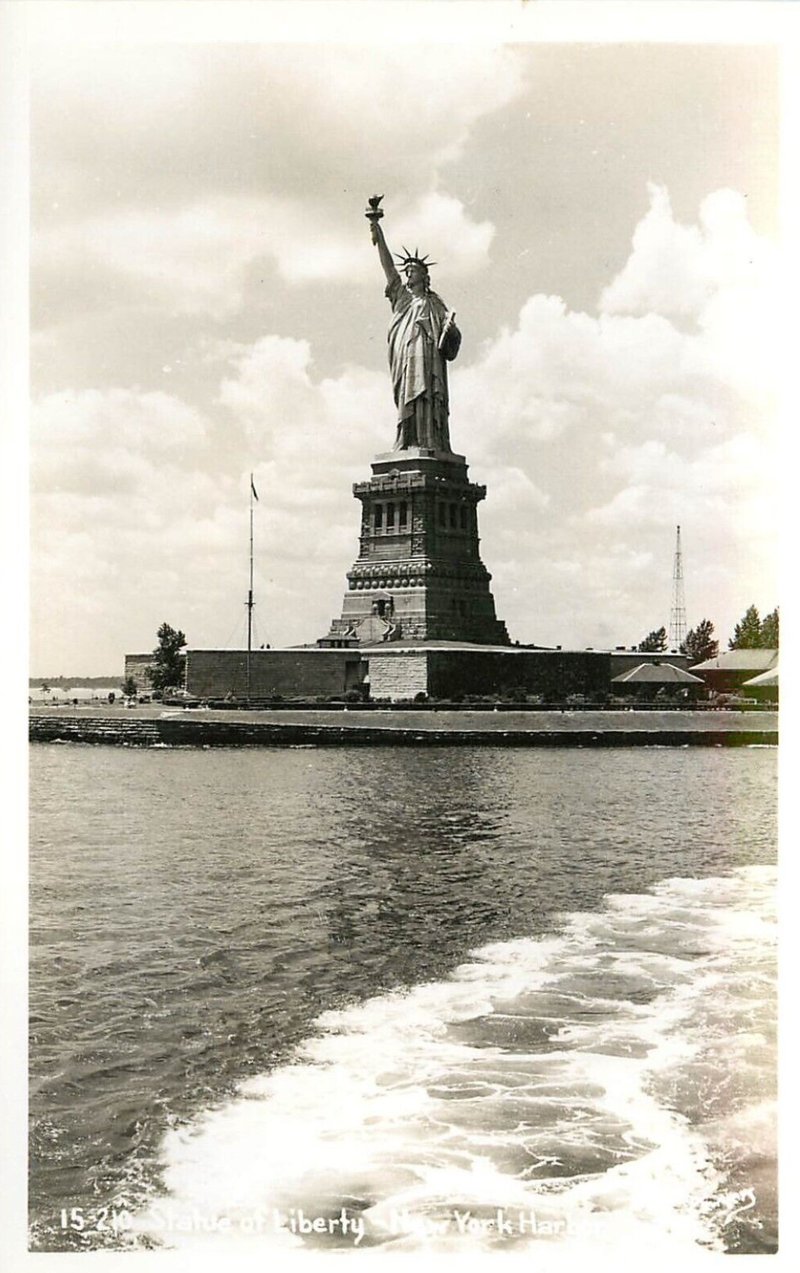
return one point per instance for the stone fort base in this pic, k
(397, 671)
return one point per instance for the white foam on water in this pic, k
(567, 1092)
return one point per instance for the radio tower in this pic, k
(677, 617)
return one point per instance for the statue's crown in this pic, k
(406, 258)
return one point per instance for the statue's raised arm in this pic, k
(374, 214)
(423, 338)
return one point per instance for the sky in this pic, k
(206, 302)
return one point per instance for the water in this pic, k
(413, 999)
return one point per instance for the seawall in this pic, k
(544, 729)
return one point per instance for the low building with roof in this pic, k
(727, 672)
(657, 677)
(764, 686)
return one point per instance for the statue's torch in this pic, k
(373, 214)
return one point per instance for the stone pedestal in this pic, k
(419, 575)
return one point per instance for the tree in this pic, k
(129, 687)
(747, 633)
(700, 644)
(655, 642)
(168, 662)
(770, 626)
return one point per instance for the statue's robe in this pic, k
(421, 343)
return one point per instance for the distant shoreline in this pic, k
(67, 682)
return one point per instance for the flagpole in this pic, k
(250, 601)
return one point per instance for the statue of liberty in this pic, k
(423, 338)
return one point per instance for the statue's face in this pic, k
(416, 275)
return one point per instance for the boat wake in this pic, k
(611, 1086)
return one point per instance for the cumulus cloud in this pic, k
(191, 258)
(197, 258)
(667, 271)
(718, 273)
(286, 411)
(140, 491)
(677, 269)
(629, 422)
(440, 222)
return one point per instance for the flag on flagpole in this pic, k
(253, 487)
